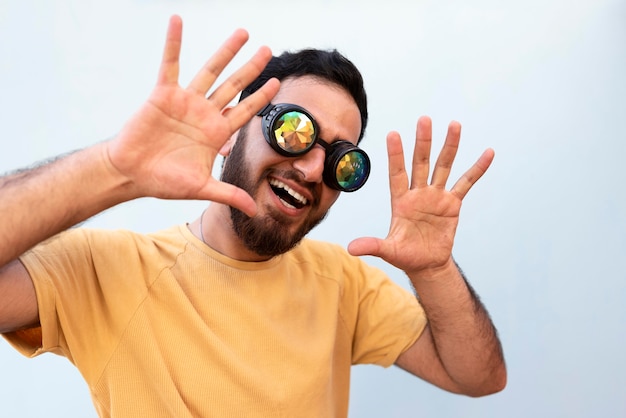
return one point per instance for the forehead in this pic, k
(332, 106)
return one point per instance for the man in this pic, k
(236, 314)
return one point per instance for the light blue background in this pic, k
(542, 235)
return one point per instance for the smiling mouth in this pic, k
(288, 197)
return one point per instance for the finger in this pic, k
(209, 72)
(251, 105)
(168, 71)
(471, 176)
(443, 166)
(398, 179)
(241, 78)
(365, 246)
(421, 152)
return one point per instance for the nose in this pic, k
(311, 164)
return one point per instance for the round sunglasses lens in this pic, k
(352, 170)
(294, 132)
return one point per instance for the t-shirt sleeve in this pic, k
(88, 284)
(389, 318)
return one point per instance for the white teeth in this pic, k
(284, 202)
(293, 193)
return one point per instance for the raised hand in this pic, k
(168, 148)
(424, 216)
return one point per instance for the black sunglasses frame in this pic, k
(334, 152)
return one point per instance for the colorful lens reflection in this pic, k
(352, 170)
(294, 132)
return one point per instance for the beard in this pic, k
(269, 234)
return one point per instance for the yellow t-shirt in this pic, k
(161, 325)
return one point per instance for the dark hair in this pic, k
(329, 65)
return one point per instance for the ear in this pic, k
(228, 145)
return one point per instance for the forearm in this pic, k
(37, 204)
(465, 340)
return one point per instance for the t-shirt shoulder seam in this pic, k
(150, 284)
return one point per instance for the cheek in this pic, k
(256, 147)
(258, 153)
(329, 197)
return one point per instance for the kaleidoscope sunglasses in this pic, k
(292, 131)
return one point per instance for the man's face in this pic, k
(289, 192)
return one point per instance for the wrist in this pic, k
(119, 186)
(93, 183)
(434, 273)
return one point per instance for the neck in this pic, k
(215, 229)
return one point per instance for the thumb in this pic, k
(365, 246)
(229, 194)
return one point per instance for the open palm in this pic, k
(424, 215)
(167, 150)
